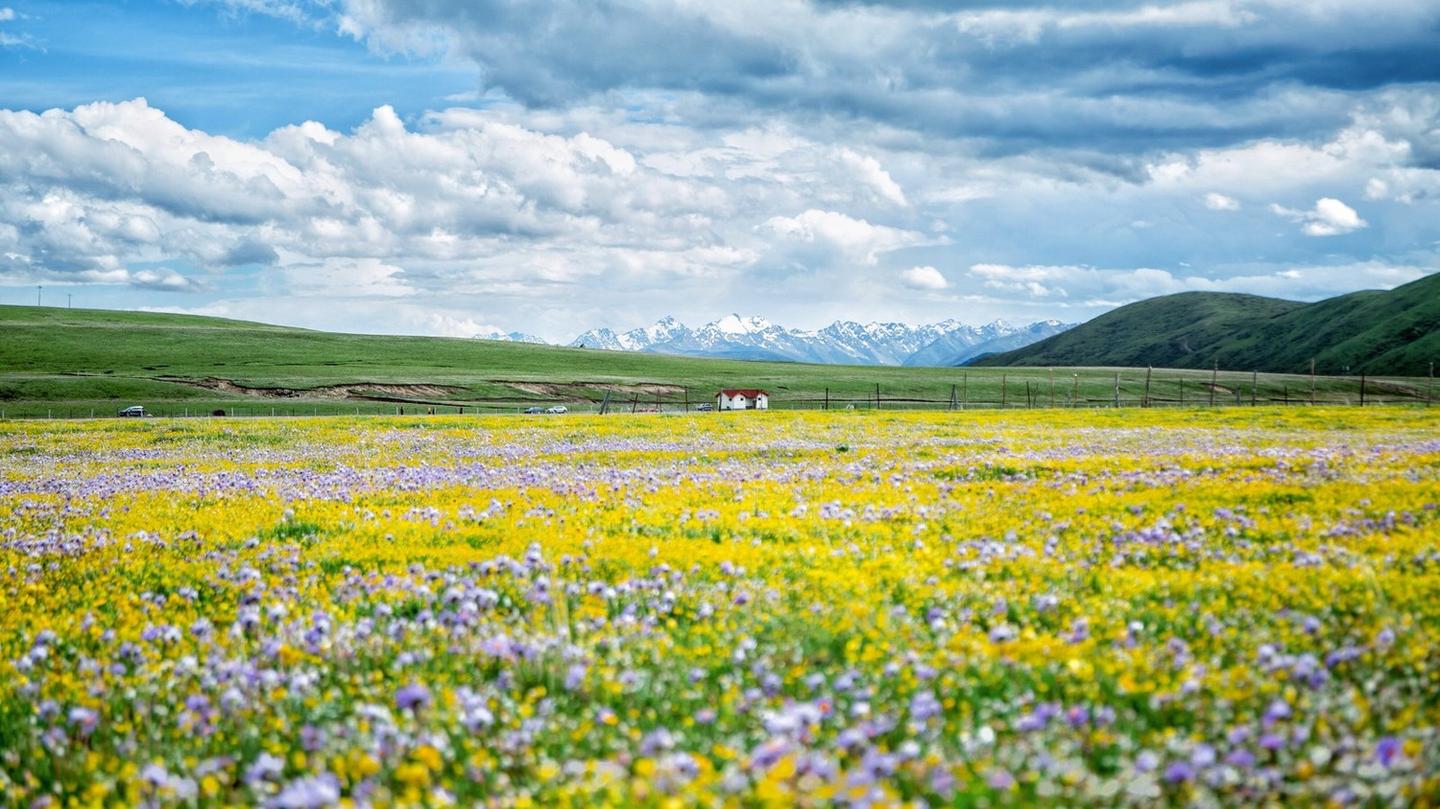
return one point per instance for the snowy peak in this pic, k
(509, 337)
(948, 342)
(735, 324)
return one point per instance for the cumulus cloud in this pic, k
(833, 233)
(1329, 217)
(1220, 202)
(926, 278)
(1089, 287)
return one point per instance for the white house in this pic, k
(742, 399)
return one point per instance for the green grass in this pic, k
(73, 362)
(1395, 332)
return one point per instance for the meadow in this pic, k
(1232, 607)
(79, 363)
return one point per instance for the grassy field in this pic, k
(66, 363)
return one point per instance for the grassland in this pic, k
(69, 363)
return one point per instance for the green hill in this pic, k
(75, 362)
(1395, 332)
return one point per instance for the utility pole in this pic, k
(69, 301)
(39, 290)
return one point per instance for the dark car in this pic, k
(534, 410)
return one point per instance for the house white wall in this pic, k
(741, 402)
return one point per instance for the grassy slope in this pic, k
(77, 360)
(1394, 332)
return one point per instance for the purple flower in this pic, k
(1240, 759)
(1000, 779)
(1386, 750)
(924, 705)
(412, 697)
(1179, 772)
(314, 792)
(1277, 710)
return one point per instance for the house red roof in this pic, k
(748, 393)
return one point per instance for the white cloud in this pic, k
(854, 239)
(1220, 202)
(1329, 217)
(7, 14)
(926, 277)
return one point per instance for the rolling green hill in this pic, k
(1395, 332)
(75, 362)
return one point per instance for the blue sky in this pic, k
(454, 167)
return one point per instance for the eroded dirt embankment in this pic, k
(350, 390)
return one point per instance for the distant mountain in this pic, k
(948, 342)
(1391, 332)
(510, 337)
(960, 345)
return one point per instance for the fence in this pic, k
(968, 390)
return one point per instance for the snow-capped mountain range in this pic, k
(948, 342)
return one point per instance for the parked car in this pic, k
(132, 412)
(558, 409)
(534, 410)
(705, 407)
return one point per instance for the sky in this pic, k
(454, 167)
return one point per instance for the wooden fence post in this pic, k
(1254, 383)
(1002, 391)
(1430, 389)
(1075, 391)
(964, 390)
(1312, 381)
(1117, 390)
(1180, 383)
(954, 397)
(1029, 399)
(877, 395)
(1362, 390)
(827, 398)
(1052, 387)
(1214, 376)
(1145, 398)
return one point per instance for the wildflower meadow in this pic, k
(1139, 607)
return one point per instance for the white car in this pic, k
(132, 412)
(558, 409)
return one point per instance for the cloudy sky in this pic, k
(451, 166)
